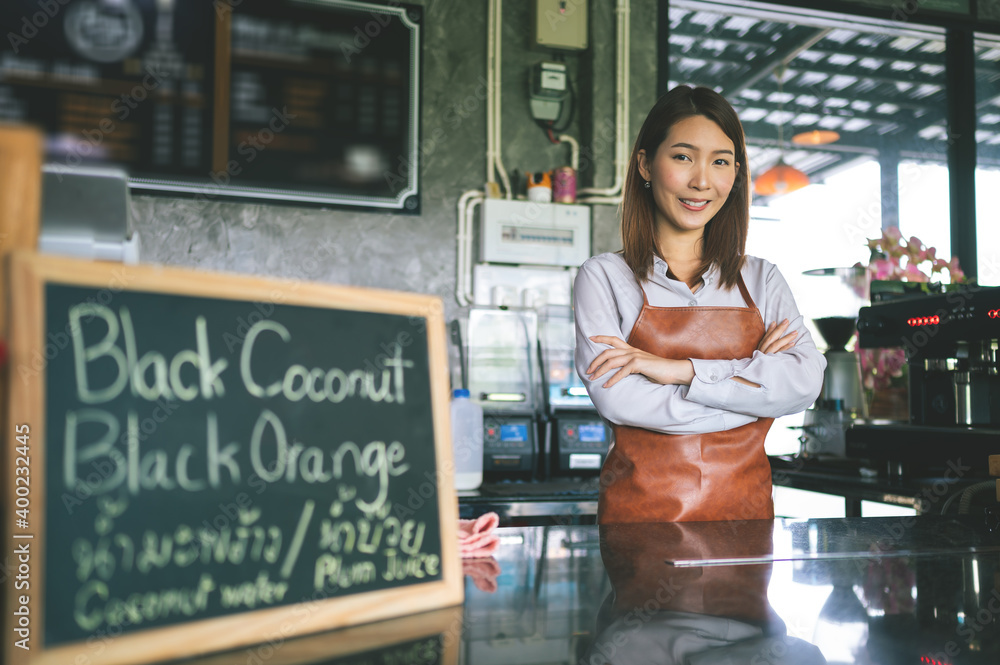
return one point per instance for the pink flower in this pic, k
(890, 265)
(883, 368)
(894, 251)
(879, 367)
(894, 362)
(868, 381)
(914, 274)
(882, 269)
(955, 271)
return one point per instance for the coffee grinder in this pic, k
(841, 290)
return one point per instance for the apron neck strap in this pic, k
(744, 292)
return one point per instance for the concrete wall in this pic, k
(418, 253)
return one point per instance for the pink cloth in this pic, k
(483, 572)
(477, 539)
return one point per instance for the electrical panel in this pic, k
(561, 24)
(520, 232)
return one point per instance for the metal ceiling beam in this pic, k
(906, 105)
(863, 137)
(763, 45)
(765, 69)
(911, 121)
(780, 58)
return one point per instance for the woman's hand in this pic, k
(630, 360)
(773, 342)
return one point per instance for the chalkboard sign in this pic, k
(211, 455)
(304, 101)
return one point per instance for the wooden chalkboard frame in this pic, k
(354, 642)
(28, 274)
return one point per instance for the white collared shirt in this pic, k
(607, 301)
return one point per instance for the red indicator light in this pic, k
(993, 313)
(923, 321)
(491, 431)
(569, 432)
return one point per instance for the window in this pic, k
(857, 104)
(987, 50)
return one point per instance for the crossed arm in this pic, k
(630, 360)
(783, 376)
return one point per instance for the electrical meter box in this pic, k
(561, 24)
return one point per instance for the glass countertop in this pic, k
(872, 591)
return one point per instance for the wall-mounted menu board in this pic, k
(207, 457)
(299, 101)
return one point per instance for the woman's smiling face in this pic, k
(691, 174)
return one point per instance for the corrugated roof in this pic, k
(881, 87)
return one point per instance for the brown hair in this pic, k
(724, 241)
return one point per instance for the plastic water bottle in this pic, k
(467, 440)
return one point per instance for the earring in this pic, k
(648, 185)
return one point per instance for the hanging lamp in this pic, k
(780, 178)
(816, 137)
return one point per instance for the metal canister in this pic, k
(564, 185)
(540, 187)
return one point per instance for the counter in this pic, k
(575, 501)
(881, 591)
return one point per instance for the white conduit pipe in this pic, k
(470, 216)
(469, 199)
(463, 263)
(574, 155)
(490, 67)
(497, 143)
(623, 67)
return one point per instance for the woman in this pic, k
(671, 337)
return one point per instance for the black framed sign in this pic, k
(205, 457)
(297, 101)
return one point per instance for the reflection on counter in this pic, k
(673, 614)
(890, 591)
(543, 609)
(429, 638)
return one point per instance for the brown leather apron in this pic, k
(653, 477)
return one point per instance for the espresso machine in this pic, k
(503, 366)
(575, 438)
(950, 340)
(842, 398)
